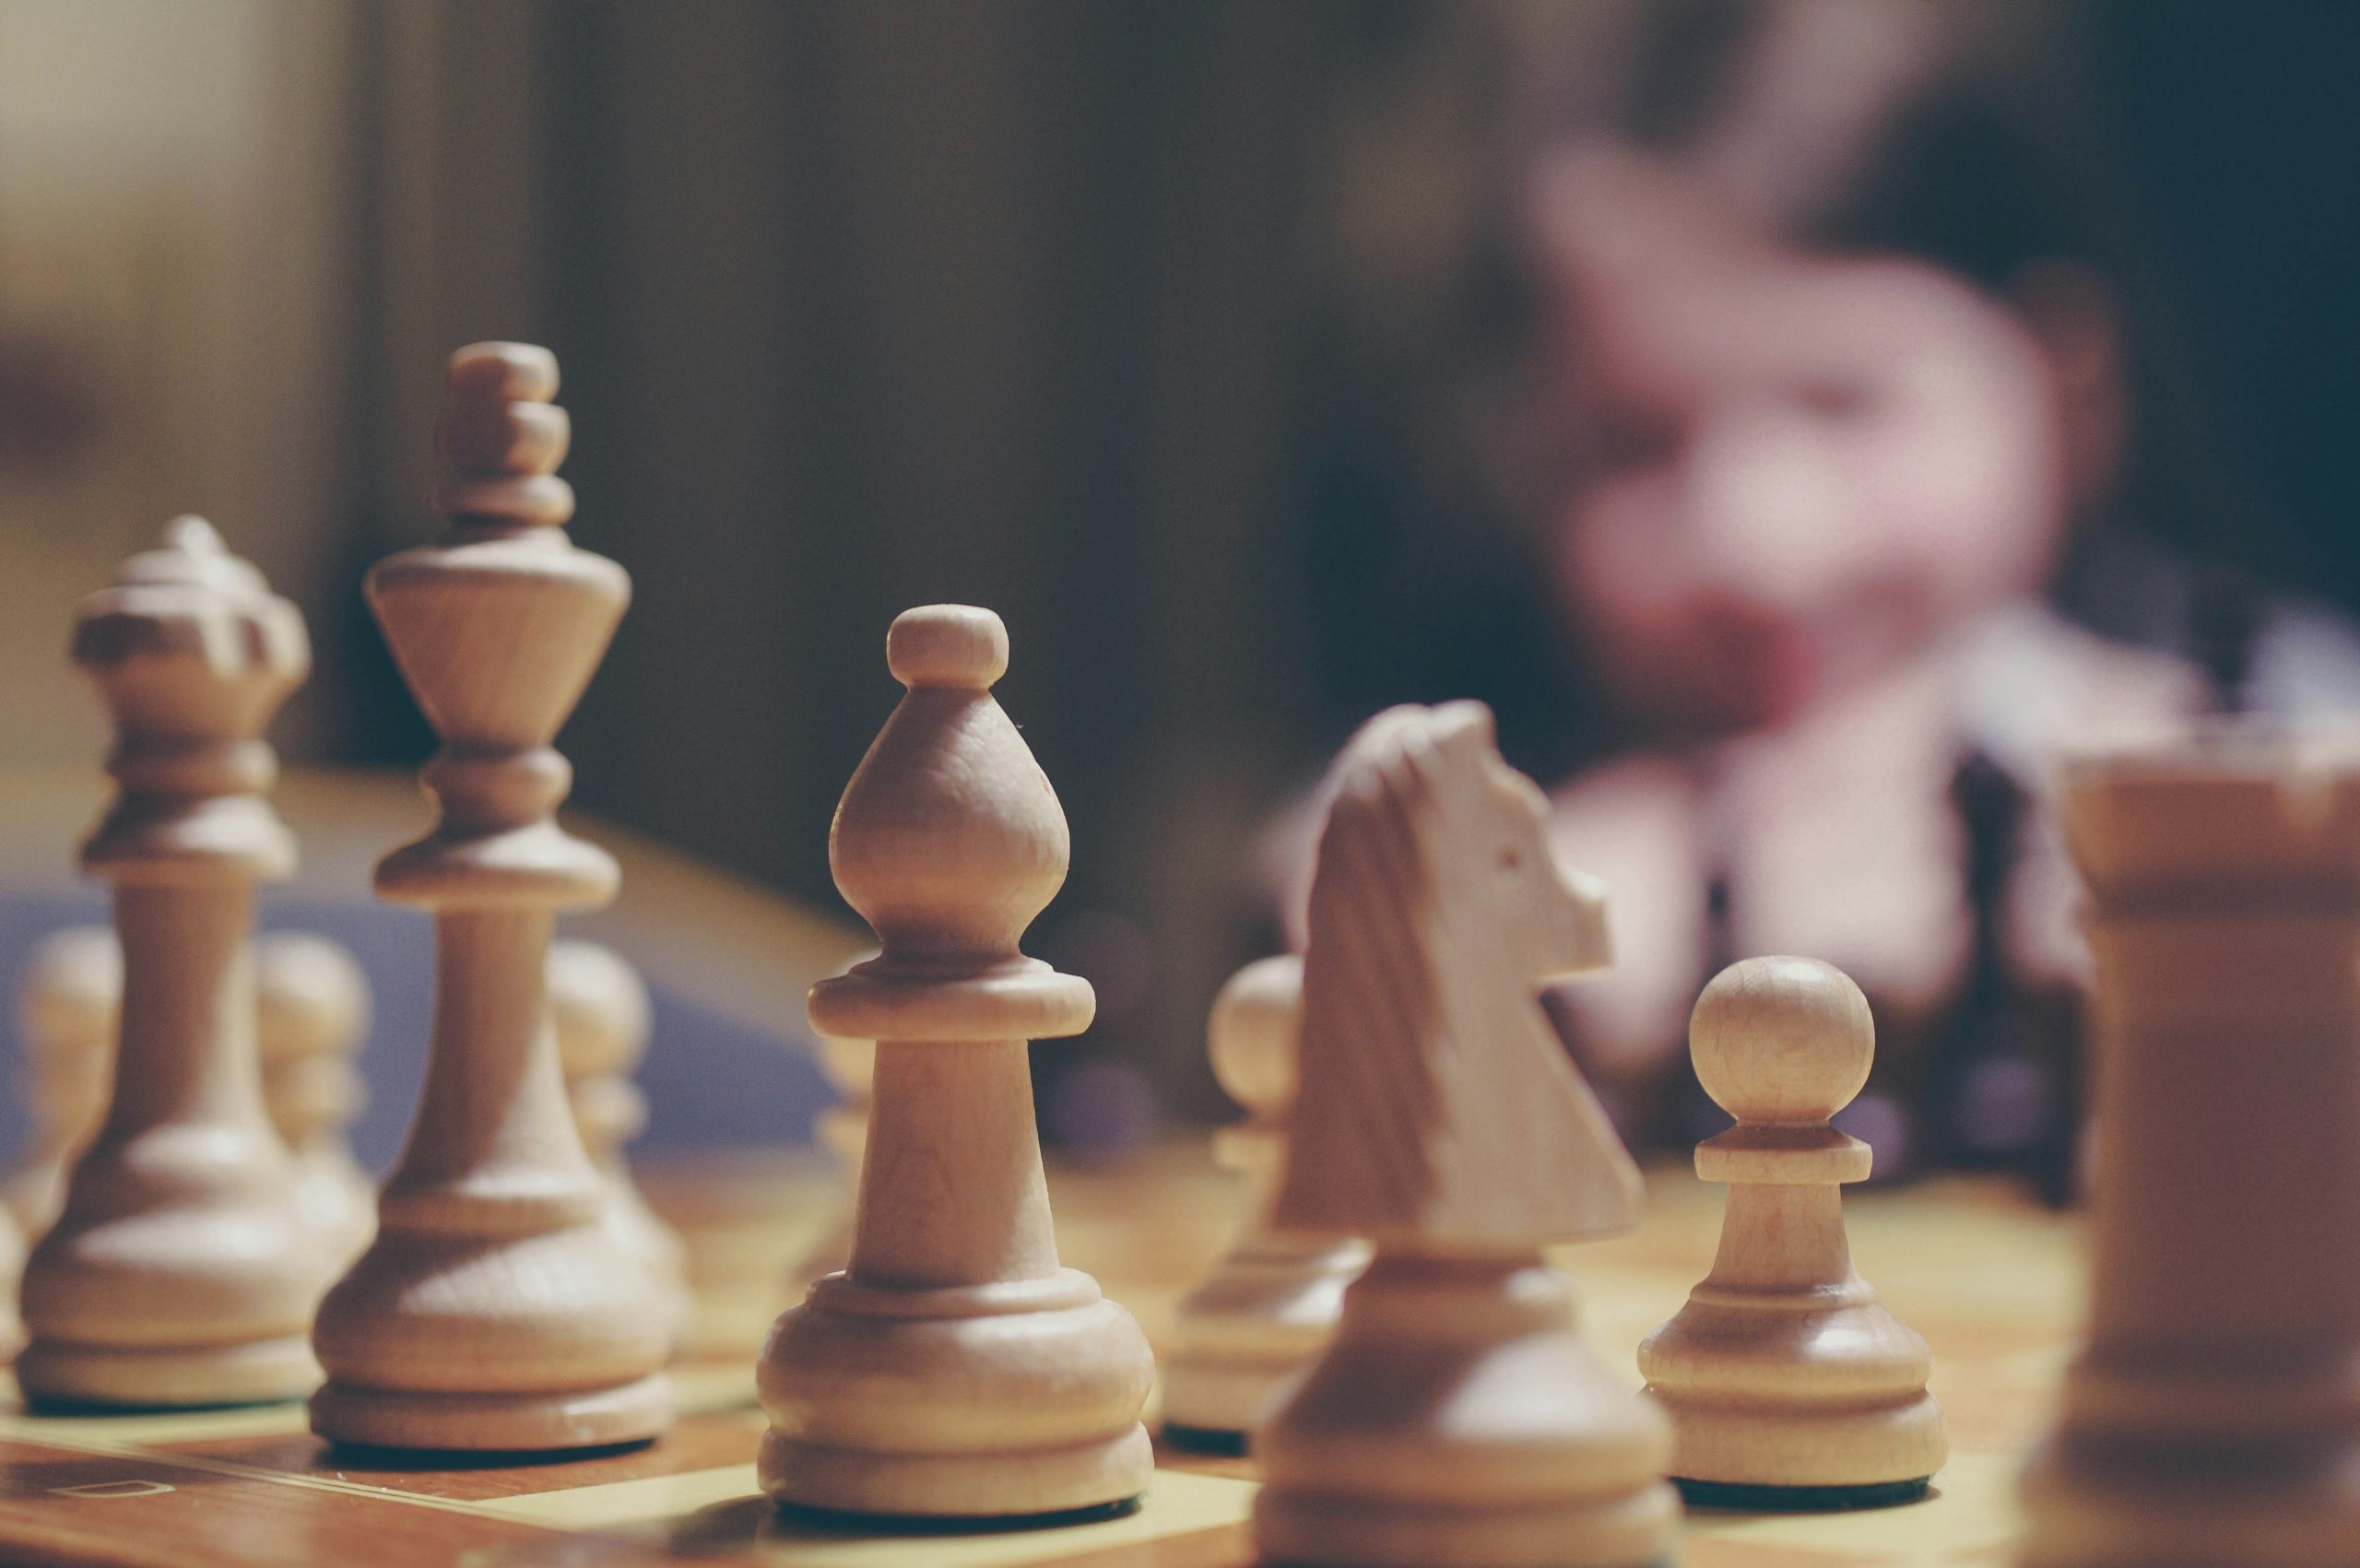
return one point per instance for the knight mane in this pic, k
(1371, 998)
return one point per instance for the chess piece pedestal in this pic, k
(1788, 1384)
(954, 1369)
(495, 1311)
(177, 1273)
(1458, 1420)
(1270, 1305)
(2212, 1415)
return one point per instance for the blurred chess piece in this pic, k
(602, 1018)
(312, 1016)
(178, 1273)
(1458, 1419)
(12, 1268)
(1788, 1384)
(955, 1367)
(2212, 1414)
(850, 1068)
(1270, 1305)
(69, 997)
(495, 1311)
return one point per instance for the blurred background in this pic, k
(1764, 407)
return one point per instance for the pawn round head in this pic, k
(600, 1009)
(1254, 1035)
(69, 991)
(309, 994)
(1782, 1040)
(954, 645)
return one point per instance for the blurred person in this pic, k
(1835, 455)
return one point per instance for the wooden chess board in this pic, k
(1992, 1282)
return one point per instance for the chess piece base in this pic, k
(1250, 1329)
(1807, 1449)
(1458, 1420)
(2126, 1504)
(1107, 1474)
(530, 1422)
(1017, 1398)
(1740, 1498)
(56, 1373)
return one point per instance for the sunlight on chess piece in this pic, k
(69, 997)
(1788, 1384)
(178, 1272)
(1269, 1307)
(2211, 1415)
(314, 1014)
(1458, 1420)
(495, 1310)
(602, 1018)
(955, 1369)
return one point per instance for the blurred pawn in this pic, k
(312, 1014)
(1272, 1304)
(12, 1269)
(68, 997)
(600, 1009)
(850, 1068)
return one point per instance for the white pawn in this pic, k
(603, 1018)
(1270, 1305)
(1789, 1384)
(312, 1015)
(69, 995)
(850, 1068)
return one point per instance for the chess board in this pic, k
(1991, 1282)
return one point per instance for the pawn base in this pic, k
(1219, 1441)
(58, 1374)
(494, 1423)
(1739, 1497)
(1084, 1481)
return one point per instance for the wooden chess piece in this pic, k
(495, 1311)
(313, 1013)
(68, 997)
(177, 1272)
(603, 1018)
(954, 1369)
(850, 1068)
(1458, 1419)
(12, 1269)
(2212, 1414)
(1788, 1384)
(1269, 1307)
